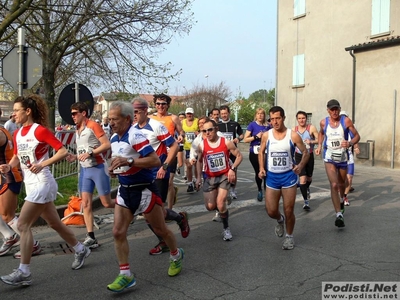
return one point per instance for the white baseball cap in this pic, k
(189, 110)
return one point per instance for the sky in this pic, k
(233, 41)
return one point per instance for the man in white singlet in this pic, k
(282, 172)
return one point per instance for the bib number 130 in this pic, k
(279, 161)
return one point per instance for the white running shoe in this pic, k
(227, 234)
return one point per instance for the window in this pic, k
(299, 8)
(380, 22)
(309, 117)
(298, 70)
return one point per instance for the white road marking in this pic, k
(250, 202)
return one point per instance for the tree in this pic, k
(203, 99)
(104, 42)
(9, 13)
(263, 96)
(256, 100)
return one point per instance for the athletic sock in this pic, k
(78, 248)
(281, 219)
(303, 190)
(125, 269)
(224, 218)
(25, 269)
(339, 214)
(172, 215)
(91, 234)
(308, 183)
(175, 255)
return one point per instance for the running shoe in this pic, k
(90, 243)
(339, 222)
(190, 188)
(161, 247)
(342, 207)
(351, 189)
(176, 195)
(36, 250)
(8, 244)
(260, 196)
(227, 234)
(17, 278)
(308, 194)
(122, 282)
(346, 202)
(306, 205)
(80, 258)
(280, 228)
(175, 265)
(233, 195)
(288, 243)
(184, 224)
(217, 217)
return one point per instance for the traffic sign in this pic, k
(32, 72)
(67, 98)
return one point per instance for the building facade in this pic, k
(349, 51)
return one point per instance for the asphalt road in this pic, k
(252, 265)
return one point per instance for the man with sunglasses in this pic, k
(333, 142)
(213, 159)
(91, 142)
(162, 103)
(160, 140)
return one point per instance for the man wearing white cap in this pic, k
(190, 126)
(333, 144)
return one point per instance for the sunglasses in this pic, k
(161, 103)
(74, 113)
(207, 130)
(136, 111)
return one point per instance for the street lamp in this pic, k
(206, 76)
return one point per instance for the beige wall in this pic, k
(322, 36)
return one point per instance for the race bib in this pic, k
(190, 136)
(26, 158)
(81, 150)
(228, 135)
(216, 162)
(256, 149)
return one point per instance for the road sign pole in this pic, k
(21, 54)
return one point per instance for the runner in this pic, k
(91, 143)
(133, 159)
(9, 191)
(333, 144)
(162, 103)
(32, 143)
(281, 173)
(213, 155)
(253, 136)
(309, 135)
(160, 140)
(232, 132)
(190, 126)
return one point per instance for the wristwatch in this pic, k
(234, 169)
(130, 161)
(165, 166)
(90, 152)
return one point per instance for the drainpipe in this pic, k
(353, 92)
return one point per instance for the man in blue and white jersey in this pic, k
(280, 143)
